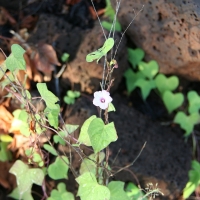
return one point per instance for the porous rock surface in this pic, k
(168, 31)
(166, 158)
(77, 42)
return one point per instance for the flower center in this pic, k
(102, 100)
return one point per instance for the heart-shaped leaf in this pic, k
(89, 189)
(194, 102)
(172, 101)
(49, 98)
(146, 86)
(131, 79)
(15, 194)
(20, 122)
(50, 149)
(98, 54)
(59, 138)
(70, 128)
(163, 83)
(59, 168)
(61, 193)
(69, 100)
(89, 165)
(101, 135)
(135, 56)
(149, 69)
(84, 137)
(52, 115)
(15, 61)
(25, 176)
(187, 122)
(117, 190)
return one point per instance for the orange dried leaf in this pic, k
(45, 58)
(6, 119)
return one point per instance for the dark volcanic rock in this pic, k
(168, 31)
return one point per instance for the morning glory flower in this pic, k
(102, 99)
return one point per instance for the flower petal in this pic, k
(96, 101)
(103, 105)
(97, 94)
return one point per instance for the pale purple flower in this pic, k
(102, 99)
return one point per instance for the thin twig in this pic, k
(135, 15)
(127, 166)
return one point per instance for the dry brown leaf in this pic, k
(45, 59)
(20, 142)
(5, 120)
(29, 21)
(5, 16)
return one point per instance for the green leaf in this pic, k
(28, 94)
(70, 128)
(5, 138)
(163, 83)
(83, 136)
(146, 86)
(73, 94)
(9, 78)
(135, 56)
(109, 11)
(89, 189)
(134, 192)
(15, 194)
(194, 102)
(89, 165)
(36, 157)
(194, 180)
(15, 61)
(65, 57)
(20, 122)
(59, 169)
(111, 107)
(149, 69)
(3, 69)
(52, 115)
(108, 25)
(69, 100)
(29, 152)
(58, 139)
(101, 135)
(49, 98)
(61, 193)
(117, 191)
(132, 78)
(172, 101)
(26, 177)
(187, 122)
(50, 149)
(98, 54)
(5, 154)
